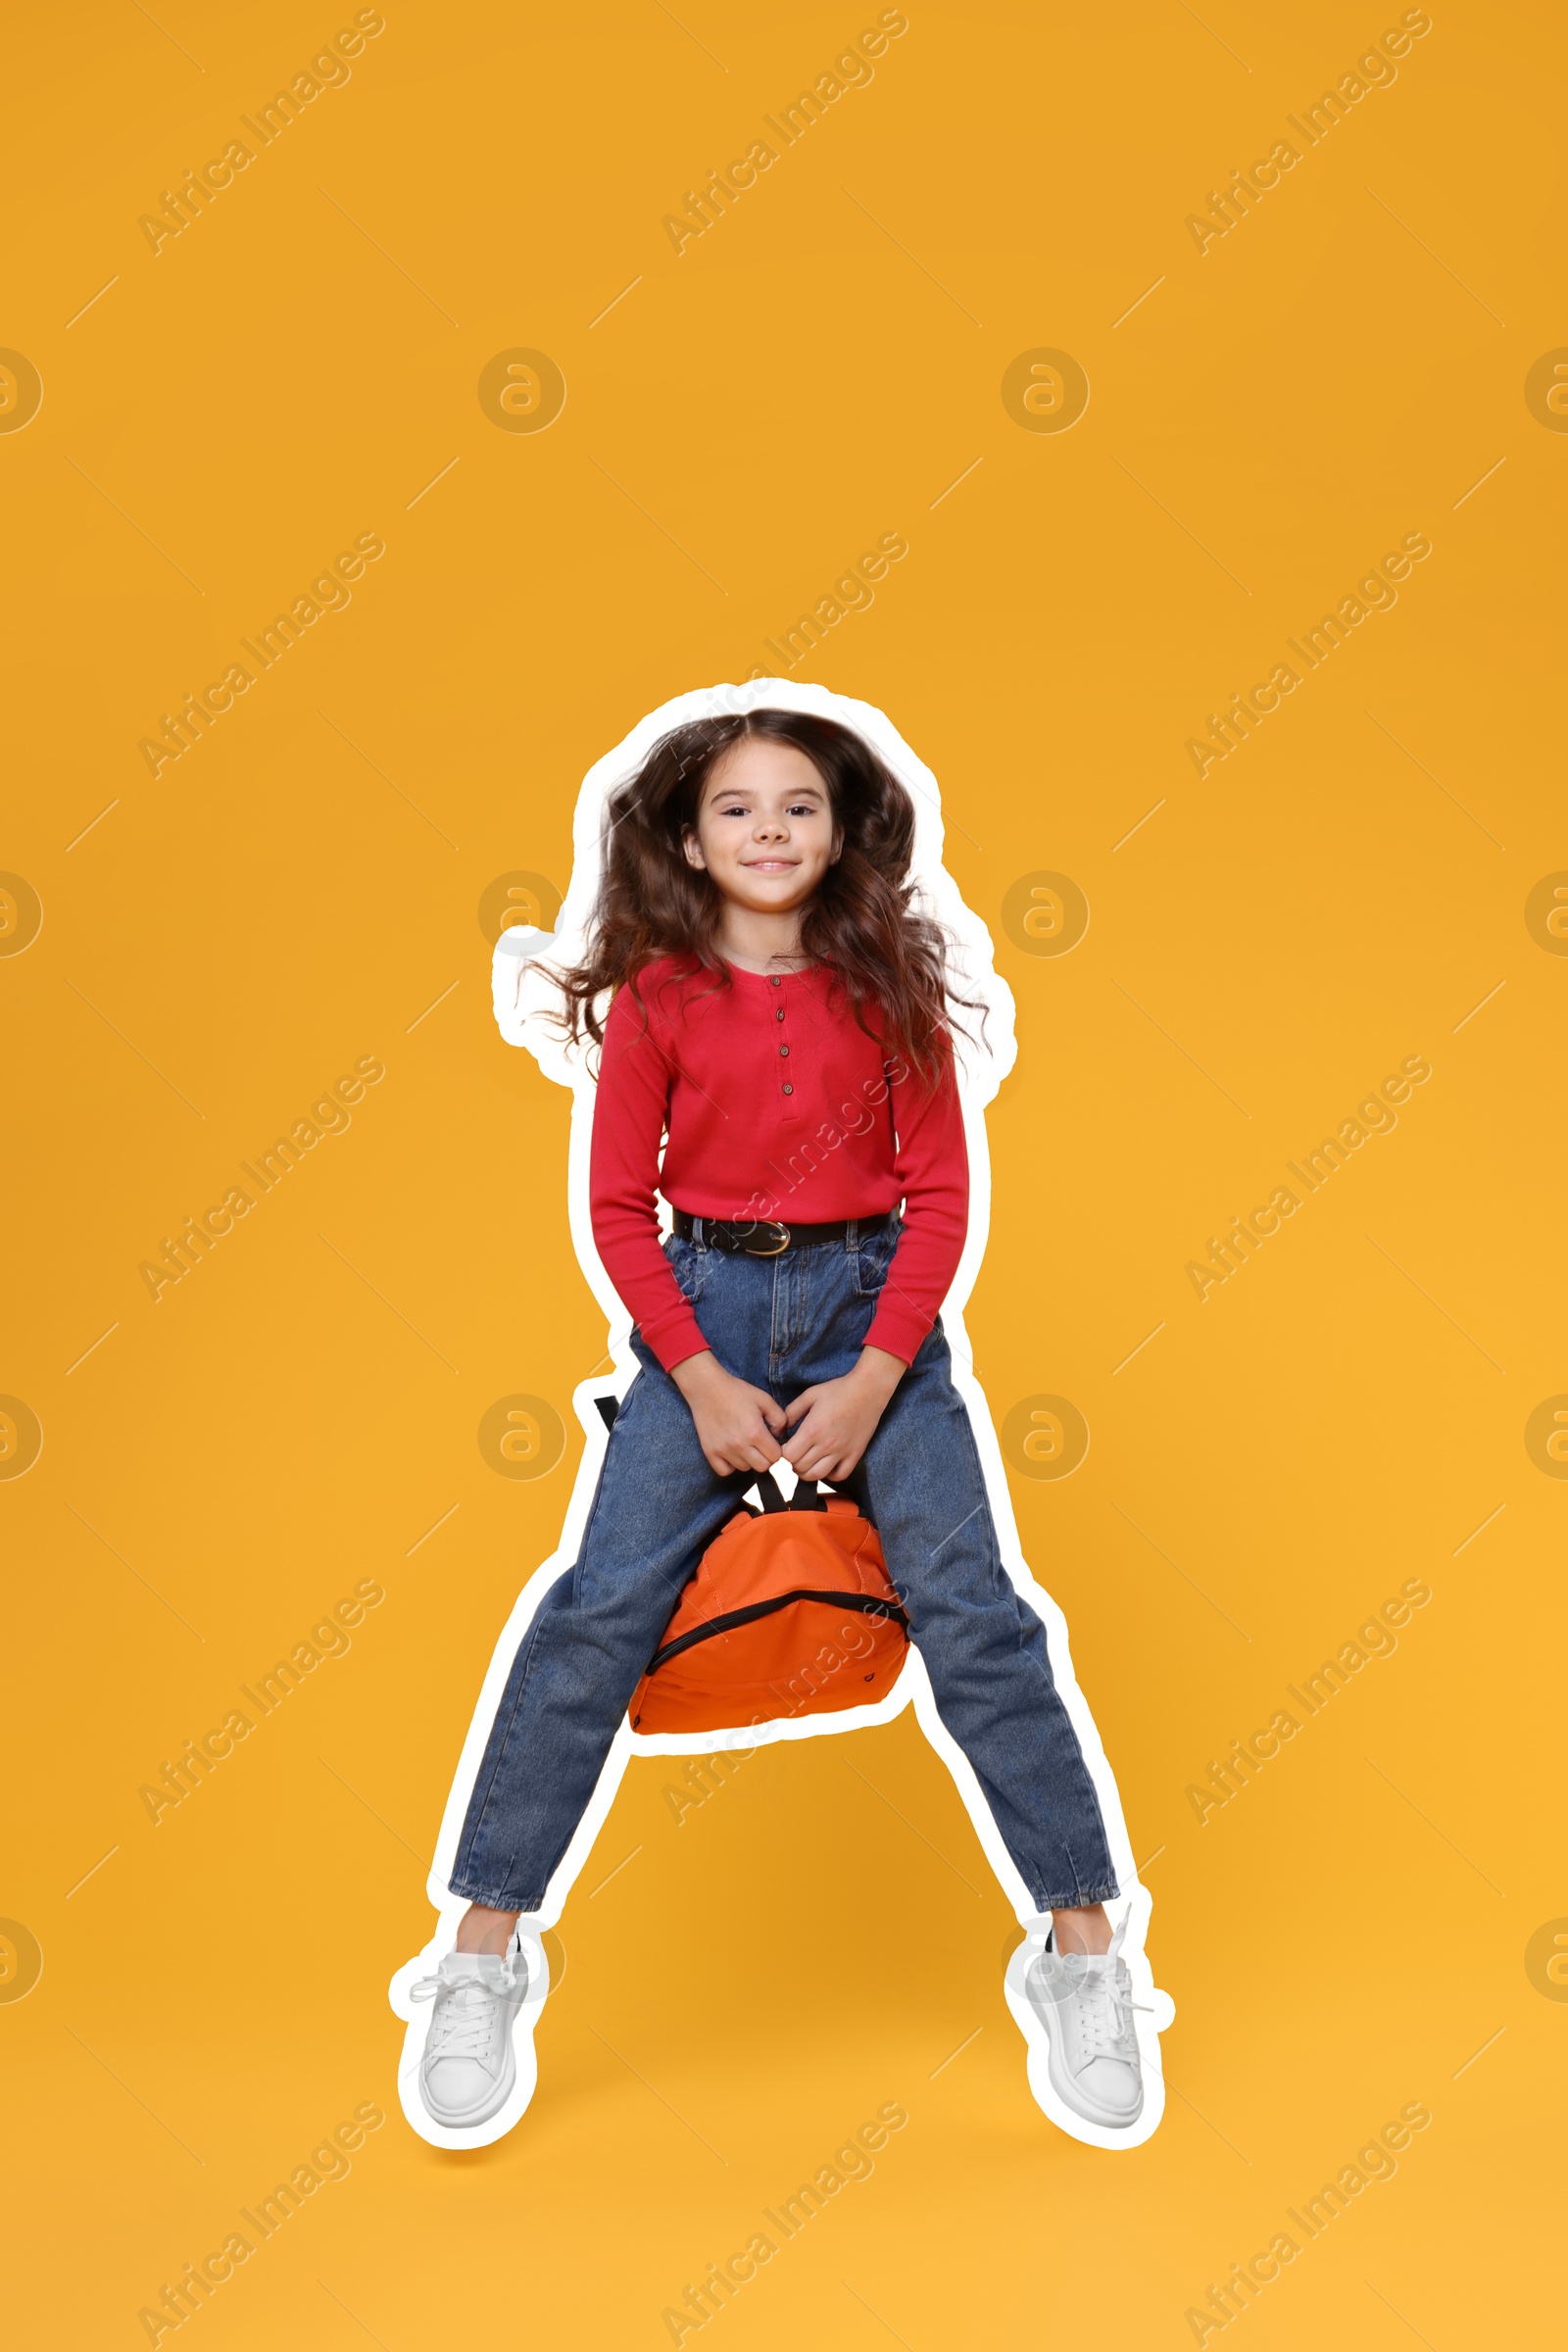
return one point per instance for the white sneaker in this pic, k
(469, 2063)
(1085, 2003)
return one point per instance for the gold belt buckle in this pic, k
(783, 1244)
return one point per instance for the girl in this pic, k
(779, 1008)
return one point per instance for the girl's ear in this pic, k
(694, 850)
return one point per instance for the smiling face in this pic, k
(765, 827)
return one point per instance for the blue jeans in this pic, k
(783, 1324)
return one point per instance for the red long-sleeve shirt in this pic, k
(777, 1104)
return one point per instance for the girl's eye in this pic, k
(741, 809)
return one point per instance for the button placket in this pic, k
(787, 1085)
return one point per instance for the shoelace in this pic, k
(463, 2026)
(1105, 2008)
(1104, 2002)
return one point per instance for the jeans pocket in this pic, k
(685, 1262)
(871, 1258)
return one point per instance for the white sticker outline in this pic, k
(522, 1002)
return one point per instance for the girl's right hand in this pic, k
(738, 1427)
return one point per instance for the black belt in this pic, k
(770, 1237)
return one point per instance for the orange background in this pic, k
(300, 889)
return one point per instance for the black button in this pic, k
(779, 1013)
(789, 1090)
(783, 1049)
(774, 980)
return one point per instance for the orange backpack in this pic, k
(791, 1612)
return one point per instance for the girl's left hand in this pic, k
(834, 1422)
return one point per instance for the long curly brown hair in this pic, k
(889, 959)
